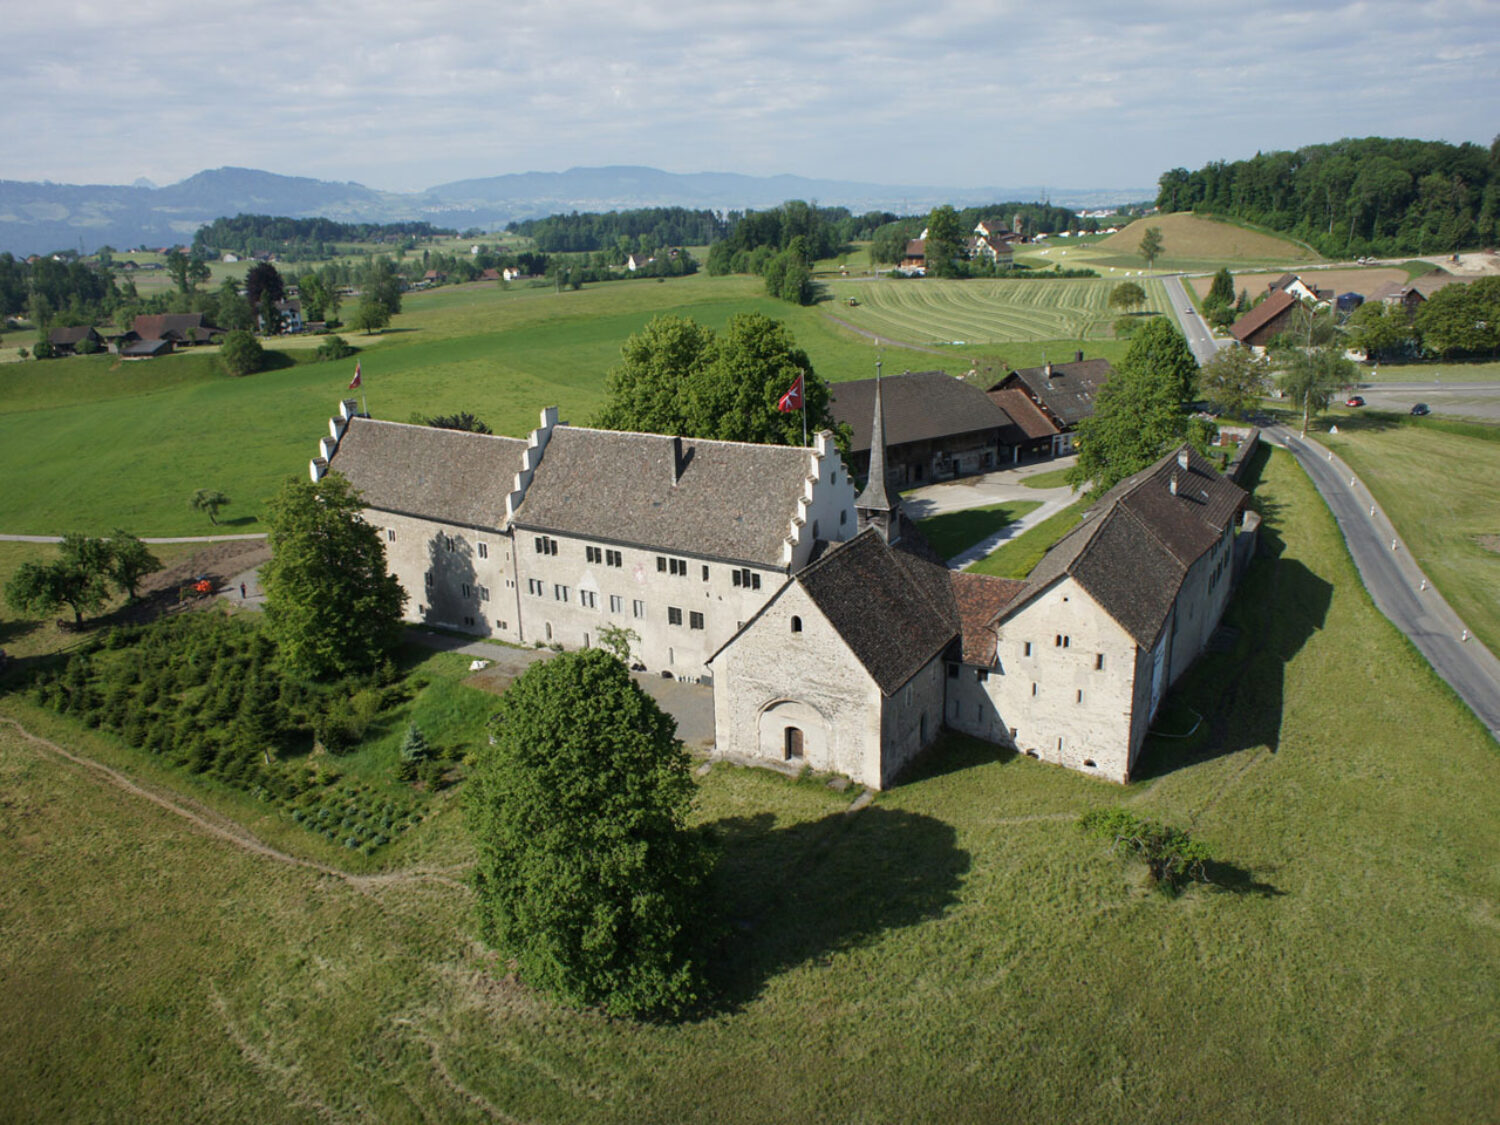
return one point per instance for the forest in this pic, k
(1372, 195)
(302, 239)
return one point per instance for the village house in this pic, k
(1063, 393)
(66, 341)
(1267, 320)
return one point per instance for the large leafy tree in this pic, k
(78, 579)
(262, 280)
(1151, 245)
(945, 241)
(680, 377)
(1234, 380)
(241, 353)
(1127, 297)
(330, 605)
(1157, 349)
(1312, 376)
(1462, 319)
(588, 876)
(1380, 329)
(130, 560)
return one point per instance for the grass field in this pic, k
(1190, 242)
(979, 312)
(956, 952)
(1442, 491)
(953, 533)
(1017, 558)
(1052, 478)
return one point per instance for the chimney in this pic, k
(1049, 369)
(676, 459)
(1173, 485)
(1182, 458)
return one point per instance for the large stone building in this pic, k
(552, 538)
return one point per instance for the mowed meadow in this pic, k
(958, 951)
(94, 443)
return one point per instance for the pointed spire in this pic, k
(874, 506)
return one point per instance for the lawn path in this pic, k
(214, 824)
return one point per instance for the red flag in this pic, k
(792, 400)
(354, 383)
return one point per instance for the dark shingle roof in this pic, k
(1262, 315)
(1136, 544)
(731, 500)
(892, 605)
(166, 326)
(1067, 390)
(918, 407)
(449, 476)
(71, 335)
(980, 599)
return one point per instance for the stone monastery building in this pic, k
(829, 630)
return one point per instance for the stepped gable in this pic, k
(1136, 544)
(730, 500)
(449, 476)
(1066, 390)
(892, 605)
(919, 406)
(980, 599)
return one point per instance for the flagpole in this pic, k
(803, 379)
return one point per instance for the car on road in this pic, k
(1420, 409)
(1354, 400)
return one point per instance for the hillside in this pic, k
(1197, 238)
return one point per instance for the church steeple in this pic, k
(874, 506)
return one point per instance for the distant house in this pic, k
(433, 277)
(230, 257)
(180, 328)
(1039, 433)
(65, 341)
(1265, 321)
(638, 262)
(915, 256)
(936, 427)
(143, 349)
(1063, 392)
(290, 313)
(999, 251)
(1413, 295)
(490, 275)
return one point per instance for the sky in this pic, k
(402, 95)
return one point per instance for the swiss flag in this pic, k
(355, 382)
(792, 400)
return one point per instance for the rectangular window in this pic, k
(744, 577)
(534, 586)
(588, 599)
(705, 573)
(390, 535)
(661, 564)
(1028, 648)
(483, 549)
(612, 558)
(678, 567)
(1099, 662)
(484, 593)
(593, 554)
(738, 578)
(448, 542)
(560, 592)
(674, 615)
(429, 579)
(1080, 695)
(695, 620)
(546, 545)
(1033, 689)
(981, 674)
(466, 589)
(616, 604)
(638, 609)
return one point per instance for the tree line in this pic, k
(1371, 195)
(302, 239)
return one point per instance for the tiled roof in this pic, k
(916, 248)
(918, 407)
(71, 335)
(980, 599)
(892, 605)
(1067, 390)
(449, 476)
(1027, 416)
(1262, 314)
(164, 326)
(731, 500)
(1136, 544)
(146, 348)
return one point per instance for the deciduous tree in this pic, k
(1234, 380)
(1127, 297)
(130, 560)
(1151, 245)
(1313, 376)
(209, 500)
(331, 606)
(78, 579)
(241, 353)
(264, 278)
(370, 315)
(588, 876)
(945, 241)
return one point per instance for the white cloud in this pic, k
(405, 95)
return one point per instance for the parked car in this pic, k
(1354, 400)
(1420, 409)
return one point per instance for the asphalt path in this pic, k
(1396, 584)
(1467, 400)
(1190, 322)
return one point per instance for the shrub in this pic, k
(1172, 857)
(334, 347)
(241, 353)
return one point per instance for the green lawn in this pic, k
(1439, 481)
(953, 533)
(1017, 558)
(1052, 478)
(958, 951)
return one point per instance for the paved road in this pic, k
(1399, 588)
(1191, 323)
(1468, 400)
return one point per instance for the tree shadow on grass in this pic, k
(239, 521)
(1233, 879)
(798, 893)
(1239, 693)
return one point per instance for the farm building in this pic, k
(66, 341)
(1266, 320)
(1063, 393)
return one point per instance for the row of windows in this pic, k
(674, 617)
(603, 555)
(482, 549)
(481, 592)
(589, 599)
(745, 577)
(1064, 641)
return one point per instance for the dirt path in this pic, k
(214, 824)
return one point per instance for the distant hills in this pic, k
(40, 217)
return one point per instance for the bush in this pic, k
(1172, 857)
(335, 347)
(241, 353)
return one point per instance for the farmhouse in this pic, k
(936, 427)
(1063, 393)
(1265, 321)
(66, 341)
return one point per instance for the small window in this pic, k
(1067, 641)
(1059, 745)
(981, 674)
(1057, 643)
(1012, 734)
(674, 615)
(1033, 689)
(429, 579)
(549, 630)
(755, 582)
(588, 599)
(705, 573)
(815, 529)
(678, 567)
(796, 624)
(593, 555)
(390, 535)
(638, 609)
(545, 545)
(468, 621)
(484, 593)
(661, 564)
(560, 593)
(466, 589)
(1028, 648)
(616, 604)
(612, 558)
(1090, 763)
(695, 620)
(736, 578)
(483, 549)
(534, 586)
(1080, 695)
(843, 517)
(448, 542)
(1098, 662)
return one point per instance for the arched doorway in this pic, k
(792, 731)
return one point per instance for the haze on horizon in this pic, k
(403, 96)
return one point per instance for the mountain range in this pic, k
(37, 218)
